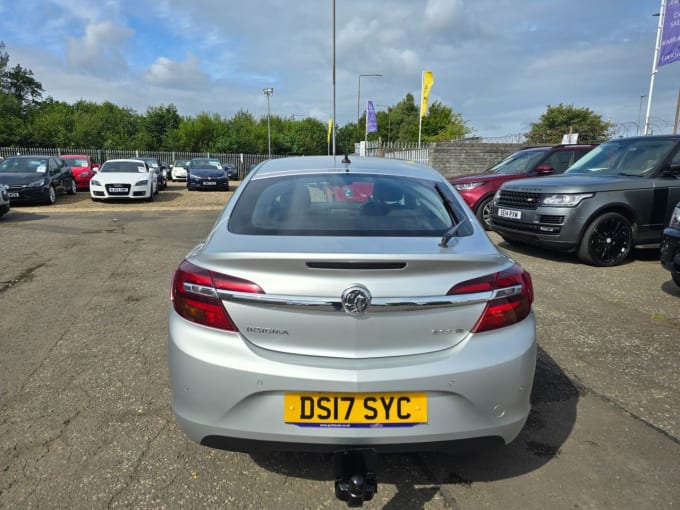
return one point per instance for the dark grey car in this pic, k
(617, 196)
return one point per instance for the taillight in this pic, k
(194, 295)
(509, 306)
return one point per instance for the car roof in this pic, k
(135, 160)
(32, 156)
(74, 156)
(325, 164)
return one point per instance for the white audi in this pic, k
(124, 179)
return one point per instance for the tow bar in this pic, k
(355, 480)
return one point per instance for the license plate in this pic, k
(354, 409)
(13, 195)
(209, 183)
(509, 213)
(118, 190)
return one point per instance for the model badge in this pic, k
(355, 300)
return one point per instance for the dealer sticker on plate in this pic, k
(355, 409)
(510, 213)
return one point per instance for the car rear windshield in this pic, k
(343, 205)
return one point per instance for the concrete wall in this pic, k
(453, 159)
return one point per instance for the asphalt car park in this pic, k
(85, 416)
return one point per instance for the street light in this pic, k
(268, 92)
(359, 94)
(640, 114)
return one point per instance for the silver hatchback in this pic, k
(349, 306)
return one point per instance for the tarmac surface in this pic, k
(85, 416)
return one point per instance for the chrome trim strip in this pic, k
(334, 304)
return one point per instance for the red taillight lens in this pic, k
(194, 295)
(503, 311)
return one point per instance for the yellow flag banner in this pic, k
(428, 81)
(330, 130)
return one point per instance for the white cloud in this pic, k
(100, 49)
(186, 74)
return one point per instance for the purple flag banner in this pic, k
(371, 118)
(670, 35)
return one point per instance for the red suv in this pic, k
(478, 190)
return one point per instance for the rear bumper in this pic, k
(228, 393)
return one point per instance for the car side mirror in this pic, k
(545, 170)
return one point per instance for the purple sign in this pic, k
(670, 36)
(371, 118)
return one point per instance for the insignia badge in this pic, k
(355, 300)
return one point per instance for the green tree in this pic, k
(158, 123)
(200, 133)
(50, 125)
(12, 123)
(562, 119)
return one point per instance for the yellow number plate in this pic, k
(354, 409)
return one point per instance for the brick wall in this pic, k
(453, 159)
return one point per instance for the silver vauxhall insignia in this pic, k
(405, 327)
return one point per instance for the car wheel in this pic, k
(151, 196)
(51, 196)
(483, 213)
(676, 278)
(607, 241)
(73, 189)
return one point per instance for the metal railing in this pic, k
(243, 162)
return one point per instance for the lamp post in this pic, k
(640, 114)
(268, 92)
(359, 94)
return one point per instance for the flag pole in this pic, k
(420, 115)
(654, 65)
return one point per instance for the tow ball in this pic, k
(355, 480)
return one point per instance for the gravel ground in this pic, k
(175, 196)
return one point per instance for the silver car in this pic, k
(350, 307)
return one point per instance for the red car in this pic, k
(478, 190)
(83, 169)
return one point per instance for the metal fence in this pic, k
(243, 162)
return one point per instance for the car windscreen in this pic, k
(342, 205)
(23, 165)
(635, 156)
(206, 164)
(76, 162)
(123, 167)
(518, 163)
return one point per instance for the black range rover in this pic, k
(619, 195)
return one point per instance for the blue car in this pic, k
(670, 246)
(207, 173)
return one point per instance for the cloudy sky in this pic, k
(498, 63)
